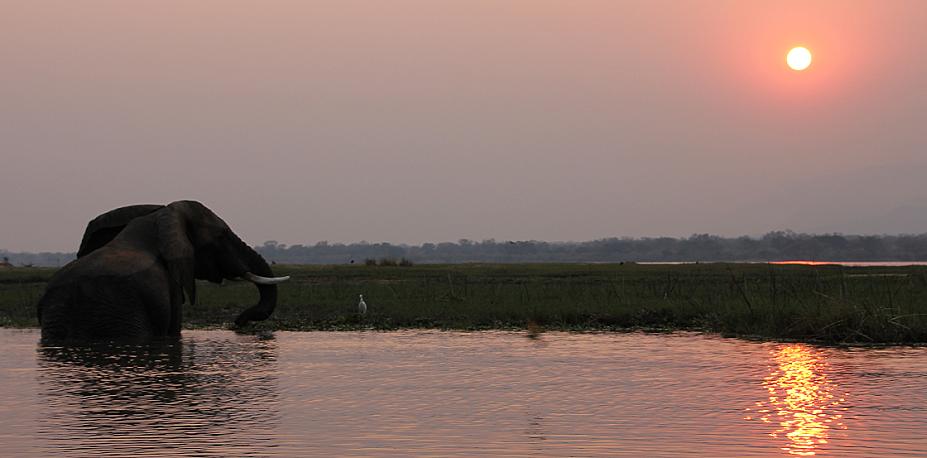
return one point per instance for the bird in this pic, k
(362, 306)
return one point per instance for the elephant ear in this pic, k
(177, 251)
(102, 229)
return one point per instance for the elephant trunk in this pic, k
(255, 264)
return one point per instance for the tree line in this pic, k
(774, 246)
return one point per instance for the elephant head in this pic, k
(191, 242)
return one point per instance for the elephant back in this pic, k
(102, 229)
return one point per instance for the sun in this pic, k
(799, 58)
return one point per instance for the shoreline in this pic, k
(817, 304)
(539, 334)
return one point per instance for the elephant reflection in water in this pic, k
(191, 396)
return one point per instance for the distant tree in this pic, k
(775, 245)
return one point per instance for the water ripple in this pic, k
(215, 393)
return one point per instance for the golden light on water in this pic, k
(803, 402)
(800, 263)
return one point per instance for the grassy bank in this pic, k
(830, 304)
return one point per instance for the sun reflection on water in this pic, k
(803, 402)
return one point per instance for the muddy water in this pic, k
(216, 393)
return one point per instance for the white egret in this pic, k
(362, 306)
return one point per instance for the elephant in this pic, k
(134, 266)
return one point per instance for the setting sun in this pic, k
(799, 58)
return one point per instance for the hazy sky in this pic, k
(414, 121)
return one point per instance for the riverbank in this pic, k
(826, 304)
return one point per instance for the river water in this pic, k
(217, 393)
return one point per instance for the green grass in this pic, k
(829, 304)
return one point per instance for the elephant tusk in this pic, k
(264, 280)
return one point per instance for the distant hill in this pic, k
(774, 246)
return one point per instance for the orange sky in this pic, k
(414, 121)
